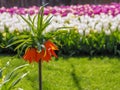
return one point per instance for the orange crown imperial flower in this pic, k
(32, 53)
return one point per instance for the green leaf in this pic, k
(19, 67)
(18, 80)
(46, 23)
(30, 25)
(15, 42)
(20, 45)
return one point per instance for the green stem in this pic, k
(40, 74)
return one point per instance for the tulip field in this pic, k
(84, 40)
(83, 17)
(94, 29)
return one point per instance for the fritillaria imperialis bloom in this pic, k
(32, 53)
(39, 47)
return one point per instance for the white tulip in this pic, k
(119, 27)
(87, 31)
(82, 23)
(11, 29)
(1, 28)
(107, 32)
(7, 24)
(80, 32)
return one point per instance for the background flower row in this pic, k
(87, 34)
(83, 23)
(112, 9)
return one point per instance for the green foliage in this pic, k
(13, 78)
(35, 38)
(72, 43)
(7, 38)
(69, 41)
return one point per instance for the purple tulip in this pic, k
(112, 9)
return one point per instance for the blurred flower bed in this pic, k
(88, 29)
(87, 9)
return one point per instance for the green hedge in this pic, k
(71, 43)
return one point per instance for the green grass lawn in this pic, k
(83, 73)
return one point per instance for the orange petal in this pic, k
(53, 53)
(30, 54)
(39, 55)
(34, 53)
(46, 56)
(49, 44)
(27, 54)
